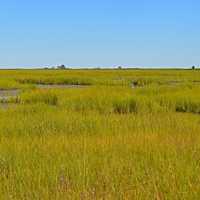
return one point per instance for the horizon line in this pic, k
(93, 68)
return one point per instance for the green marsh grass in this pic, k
(105, 141)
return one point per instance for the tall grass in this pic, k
(39, 96)
(102, 77)
(106, 141)
(121, 100)
(51, 153)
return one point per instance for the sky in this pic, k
(99, 33)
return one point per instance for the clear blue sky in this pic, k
(148, 33)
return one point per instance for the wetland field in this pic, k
(100, 134)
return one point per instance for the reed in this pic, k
(104, 141)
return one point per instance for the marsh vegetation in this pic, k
(88, 134)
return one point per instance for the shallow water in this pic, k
(5, 94)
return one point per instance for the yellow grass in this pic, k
(105, 141)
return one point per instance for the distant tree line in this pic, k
(61, 67)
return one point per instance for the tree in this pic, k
(193, 67)
(119, 67)
(61, 67)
